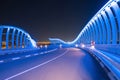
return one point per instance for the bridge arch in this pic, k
(104, 26)
(15, 38)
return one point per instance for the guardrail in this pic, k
(109, 63)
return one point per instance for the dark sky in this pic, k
(49, 18)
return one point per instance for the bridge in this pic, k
(93, 55)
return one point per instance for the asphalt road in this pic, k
(60, 64)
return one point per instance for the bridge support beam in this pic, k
(92, 32)
(7, 38)
(25, 40)
(116, 11)
(101, 28)
(85, 36)
(17, 39)
(113, 25)
(108, 28)
(21, 38)
(13, 36)
(1, 31)
(96, 32)
(88, 39)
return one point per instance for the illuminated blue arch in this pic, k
(56, 41)
(15, 38)
(104, 27)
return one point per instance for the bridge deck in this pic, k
(62, 64)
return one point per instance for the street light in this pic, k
(92, 47)
(41, 46)
(82, 45)
(46, 46)
(60, 45)
(76, 45)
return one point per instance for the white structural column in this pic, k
(24, 40)
(13, 38)
(96, 32)
(88, 39)
(90, 33)
(100, 40)
(116, 10)
(113, 25)
(17, 39)
(21, 38)
(108, 28)
(91, 36)
(85, 36)
(104, 28)
(93, 32)
(27, 41)
(7, 38)
(1, 31)
(82, 38)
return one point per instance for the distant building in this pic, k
(43, 43)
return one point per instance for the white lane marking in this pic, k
(36, 54)
(16, 58)
(52, 50)
(42, 53)
(45, 52)
(48, 51)
(36, 66)
(27, 56)
(1, 61)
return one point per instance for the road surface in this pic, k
(60, 64)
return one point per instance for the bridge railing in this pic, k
(108, 58)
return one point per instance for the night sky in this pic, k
(49, 18)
